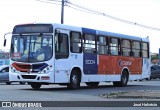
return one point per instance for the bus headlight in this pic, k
(46, 70)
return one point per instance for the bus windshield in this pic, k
(31, 48)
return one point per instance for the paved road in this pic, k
(16, 92)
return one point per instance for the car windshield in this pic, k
(31, 48)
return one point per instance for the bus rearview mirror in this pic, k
(4, 44)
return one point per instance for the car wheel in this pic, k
(22, 82)
(8, 83)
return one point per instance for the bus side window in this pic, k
(102, 45)
(75, 42)
(61, 46)
(145, 50)
(89, 43)
(136, 49)
(114, 46)
(126, 47)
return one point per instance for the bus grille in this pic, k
(29, 76)
(33, 68)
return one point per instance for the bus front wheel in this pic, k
(74, 80)
(35, 85)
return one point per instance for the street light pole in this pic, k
(62, 12)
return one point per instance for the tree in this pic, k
(154, 57)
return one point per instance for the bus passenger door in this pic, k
(61, 47)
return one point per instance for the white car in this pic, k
(4, 74)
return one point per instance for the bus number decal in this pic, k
(90, 62)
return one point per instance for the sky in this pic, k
(145, 12)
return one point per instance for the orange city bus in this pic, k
(68, 55)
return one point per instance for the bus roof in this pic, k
(93, 31)
(99, 32)
(105, 33)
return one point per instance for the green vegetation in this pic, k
(154, 57)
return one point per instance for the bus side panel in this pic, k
(136, 67)
(105, 65)
(116, 68)
(133, 64)
(90, 64)
(114, 64)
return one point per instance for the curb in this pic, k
(133, 94)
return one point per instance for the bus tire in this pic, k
(35, 85)
(124, 80)
(74, 80)
(92, 84)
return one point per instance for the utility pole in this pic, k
(62, 12)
